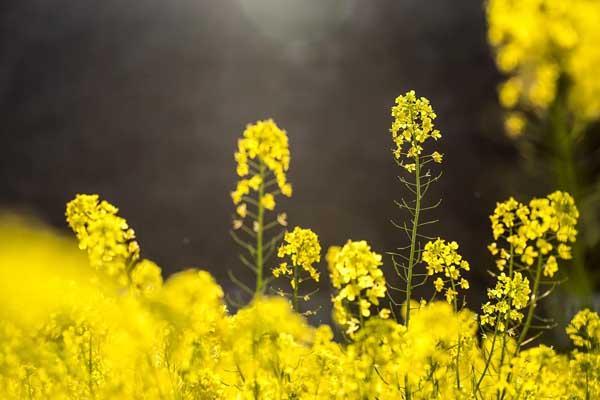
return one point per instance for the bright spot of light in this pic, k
(296, 21)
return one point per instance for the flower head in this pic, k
(584, 329)
(303, 248)
(412, 127)
(442, 258)
(354, 271)
(108, 240)
(507, 298)
(543, 228)
(263, 150)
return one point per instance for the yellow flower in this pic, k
(286, 190)
(437, 157)
(146, 277)
(106, 237)
(439, 284)
(241, 210)
(584, 329)
(303, 248)
(282, 219)
(354, 271)
(281, 270)
(550, 267)
(268, 201)
(564, 251)
(537, 42)
(507, 298)
(440, 257)
(412, 126)
(514, 124)
(267, 145)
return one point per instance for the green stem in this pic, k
(413, 239)
(489, 359)
(532, 304)
(455, 303)
(411, 258)
(295, 289)
(259, 233)
(503, 352)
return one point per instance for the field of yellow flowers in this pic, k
(98, 321)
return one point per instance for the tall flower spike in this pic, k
(302, 248)
(263, 159)
(412, 130)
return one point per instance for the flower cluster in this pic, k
(584, 330)
(540, 42)
(67, 334)
(263, 150)
(441, 258)
(303, 248)
(508, 297)
(354, 271)
(263, 158)
(146, 277)
(108, 240)
(538, 231)
(412, 126)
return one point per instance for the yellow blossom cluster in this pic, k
(303, 248)
(584, 330)
(263, 153)
(68, 333)
(355, 273)
(442, 258)
(412, 126)
(545, 46)
(108, 240)
(507, 299)
(541, 230)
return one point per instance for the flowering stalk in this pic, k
(302, 248)
(533, 301)
(260, 228)
(263, 159)
(412, 126)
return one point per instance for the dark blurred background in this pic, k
(142, 102)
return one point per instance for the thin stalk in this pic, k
(489, 359)
(259, 233)
(411, 257)
(295, 289)
(455, 303)
(533, 304)
(413, 238)
(503, 352)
